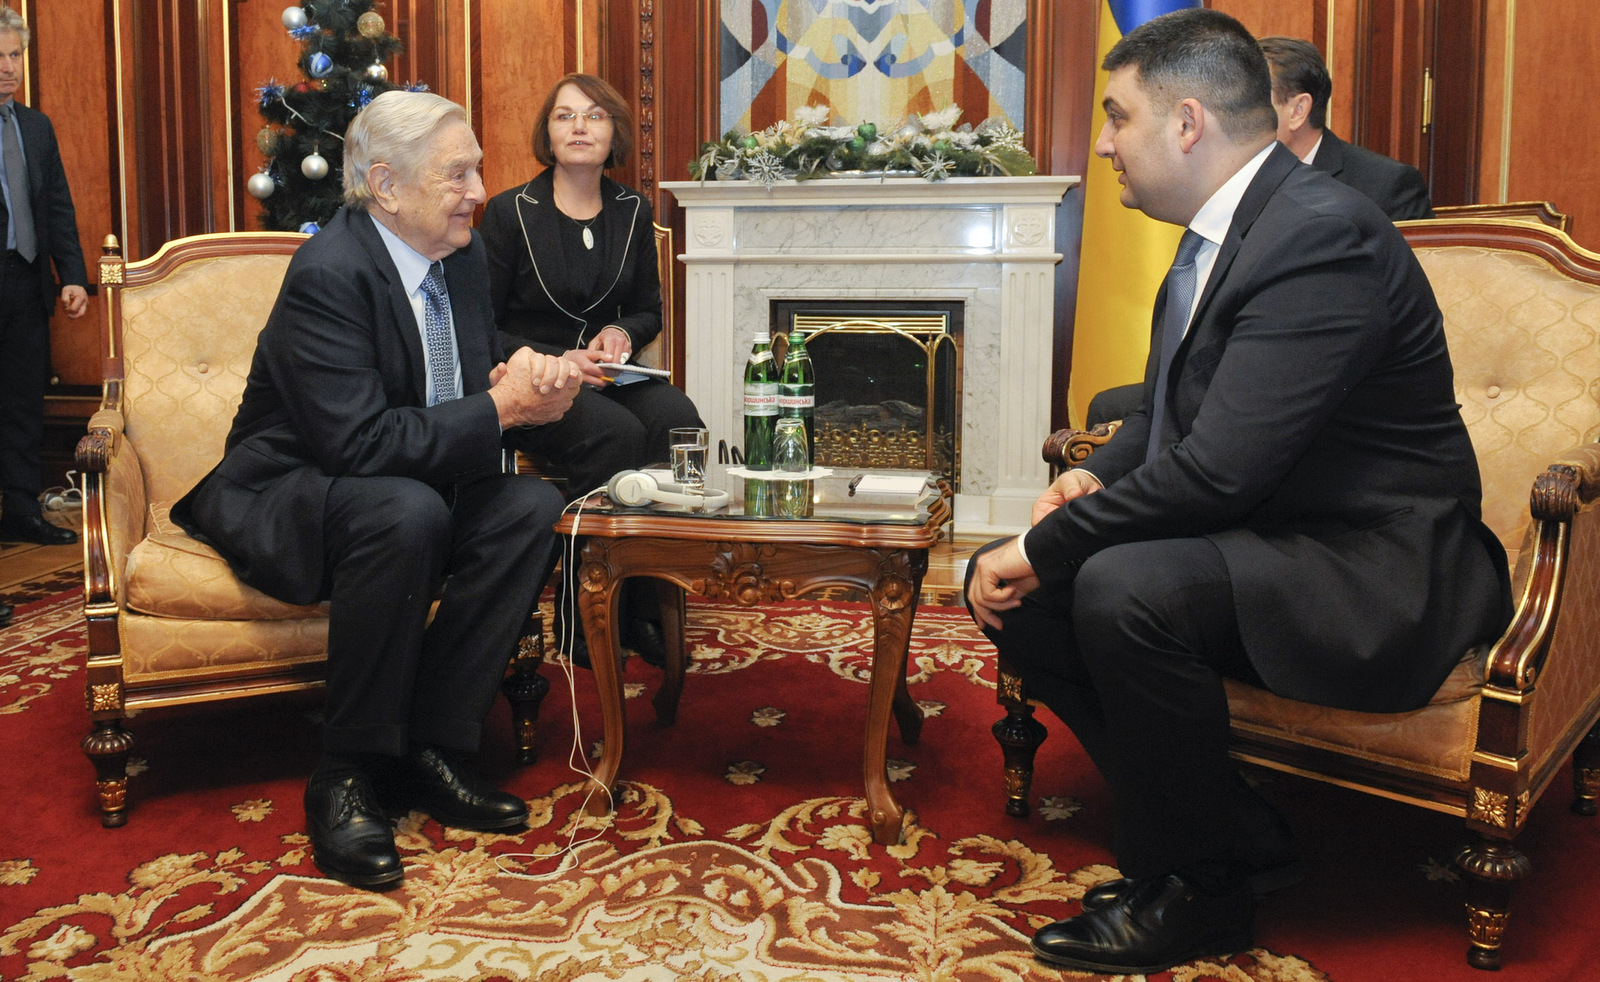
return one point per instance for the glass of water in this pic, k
(689, 445)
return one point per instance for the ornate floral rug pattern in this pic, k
(739, 848)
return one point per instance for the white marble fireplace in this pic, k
(986, 243)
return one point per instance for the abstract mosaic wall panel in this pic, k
(871, 60)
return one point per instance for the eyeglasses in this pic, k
(568, 118)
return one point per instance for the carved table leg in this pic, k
(108, 745)
(1019, 735)
(1495, 867)
(1586, 774)
(597, 604)
(525, 688)
(893, 603)
(672, 618)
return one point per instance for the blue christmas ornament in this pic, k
(319, 65)
(269, 93)
(303, 32)
(311, 228)
(359, 101)
(416, 86)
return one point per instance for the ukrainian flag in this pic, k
(1124, 254)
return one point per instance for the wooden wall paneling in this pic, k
(67, 79)
(523, 46)
(1453, 140)
(1493, 117)
(1269, 18)
(1552, 155)
(1340, 24)
(1061, 68)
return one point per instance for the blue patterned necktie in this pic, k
(17, 184)
(1180, 297)
(436, 335)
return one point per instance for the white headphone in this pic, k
(634, 489)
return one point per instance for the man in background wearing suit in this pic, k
(1295, 506)
(365, 467)
(1300, 90)
(40, 226)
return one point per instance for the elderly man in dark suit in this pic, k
(40, 226)
(1297, 505)
(365, 466)
(1300, 90)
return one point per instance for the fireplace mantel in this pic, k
(985, 242)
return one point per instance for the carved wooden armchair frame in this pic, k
(1528, 704)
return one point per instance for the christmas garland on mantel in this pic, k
(929, 146)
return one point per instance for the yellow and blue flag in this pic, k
(1124, 254)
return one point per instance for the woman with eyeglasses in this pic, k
(572, 271)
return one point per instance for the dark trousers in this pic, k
(393, 544)
(24, 365)
(1131, 656)
(618, 428)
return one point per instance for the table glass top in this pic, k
(828, 498)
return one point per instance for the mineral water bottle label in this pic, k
(792, 403)
(761, 399)
(757, 357)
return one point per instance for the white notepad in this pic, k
(891, 484)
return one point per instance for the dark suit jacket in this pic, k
(1397, 188)
(534, 300)
(54, 220)
(337, 389)
(1312, 435)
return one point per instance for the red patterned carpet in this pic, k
(739, 851)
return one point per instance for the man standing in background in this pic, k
(1301, 87)
(40, 226)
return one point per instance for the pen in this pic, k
(854, 482)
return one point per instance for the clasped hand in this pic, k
(1001, 577)
(531, 388)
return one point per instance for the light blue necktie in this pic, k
(436, 335)
(1180, 297)
(17, 184)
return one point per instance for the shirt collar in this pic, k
(1312, 153)
(413, 265)
(1212, 221)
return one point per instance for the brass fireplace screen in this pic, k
(888, 384)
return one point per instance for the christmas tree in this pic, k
(345, 46)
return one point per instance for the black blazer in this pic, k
(534, 301)
(1312, 435)
(1399, 189)
(54, 220)
(337, 389)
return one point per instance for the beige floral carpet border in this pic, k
(661, 893)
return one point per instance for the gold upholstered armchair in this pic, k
(1521, 309)
(168, 622)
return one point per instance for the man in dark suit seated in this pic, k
(1295, 504)
(365, 466)
(1300, 90)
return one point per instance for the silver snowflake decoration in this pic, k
(765, 168)
(936, 166)
(1006, 137)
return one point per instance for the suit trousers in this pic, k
(1131, 655)
(24, 365)
(617, 428)
(394, 544)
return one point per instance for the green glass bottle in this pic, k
(760, 404)
(797, 391)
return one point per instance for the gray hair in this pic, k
(397, 129)
(10, 20)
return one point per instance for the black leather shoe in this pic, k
(1155, 924)
(5, 615)
(436, 782)
(1279, 875)
(351, 840)
(648, 641)
(34, 528)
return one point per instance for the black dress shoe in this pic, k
(1278, 875)
(33, 528)
(1155, 924)
(647, 639)
(436, 782)
(351, 840)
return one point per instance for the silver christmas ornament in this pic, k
(294, 18)
(260, 186)
(314, 166)
(377, 72)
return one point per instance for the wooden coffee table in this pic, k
(877, 544)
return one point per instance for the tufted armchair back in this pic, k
(1523, 321)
